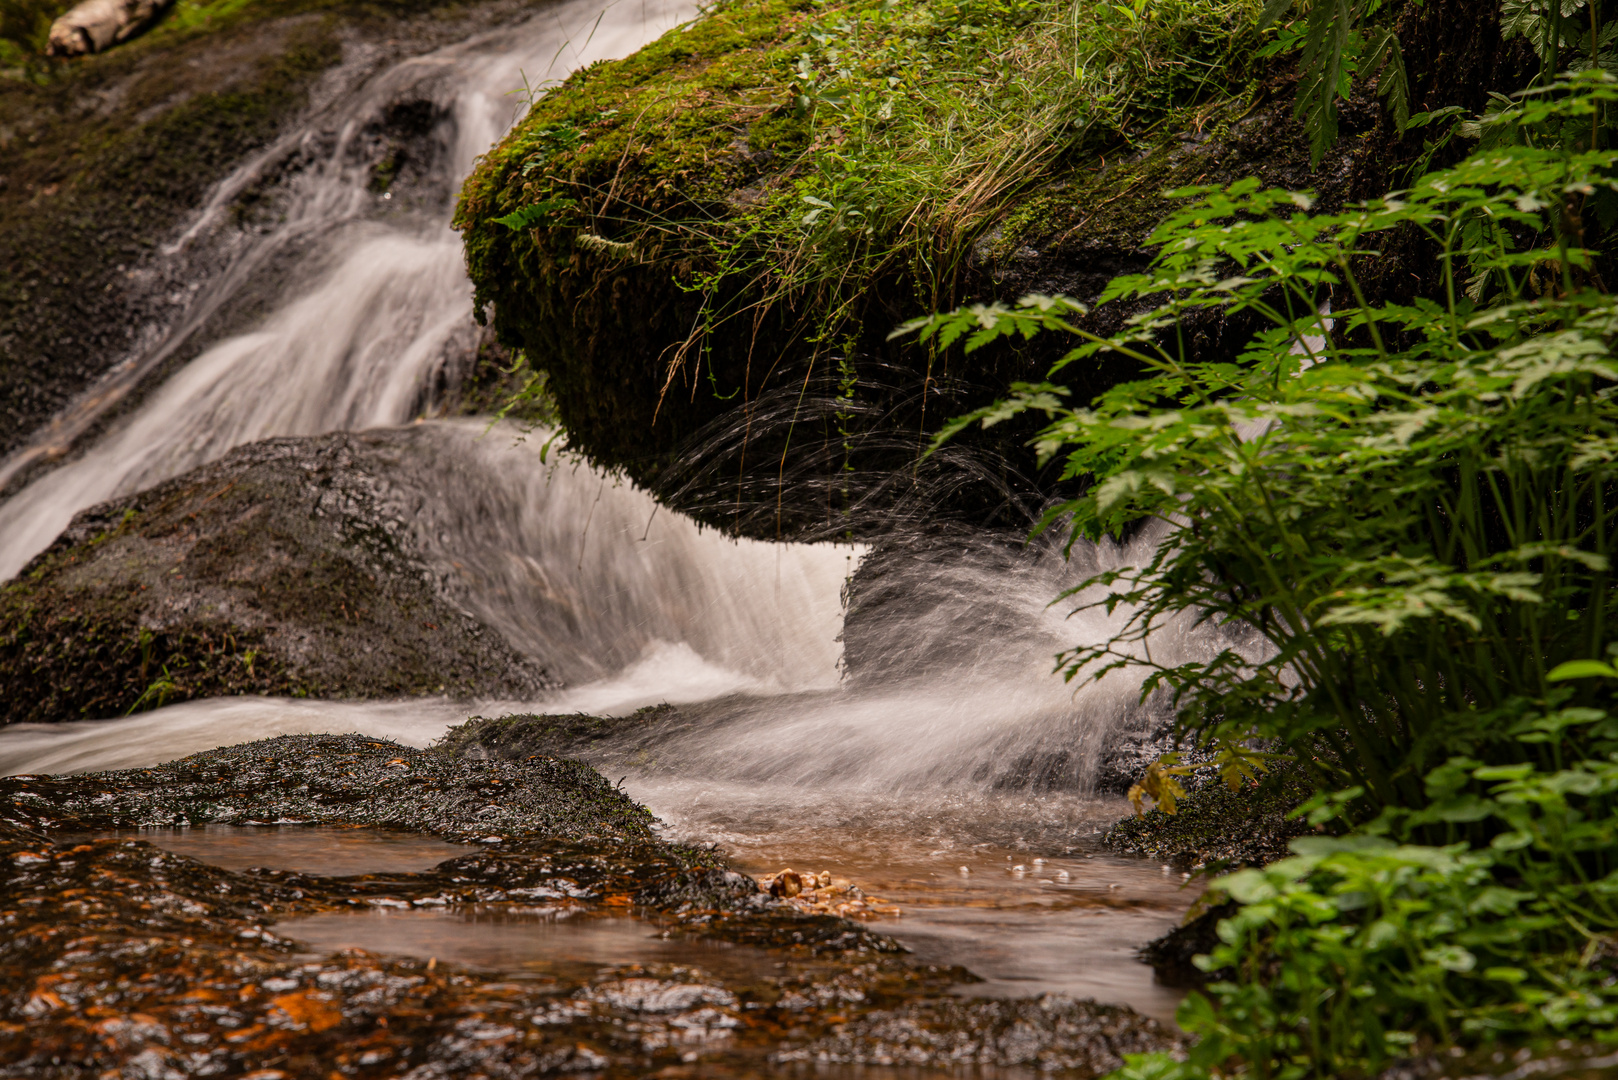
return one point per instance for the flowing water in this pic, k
(951, 746)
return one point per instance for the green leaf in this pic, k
(1581, 669)
(533, 214)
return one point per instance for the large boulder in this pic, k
(643, 234)
(288, 567)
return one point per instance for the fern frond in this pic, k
(1393, 84)
(1273, 10)
(1320, 84)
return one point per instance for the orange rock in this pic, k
(314, 1011)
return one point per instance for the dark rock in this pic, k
(1171, 956)
(1214, 827)
(515, 737)
(287, 567)
(1079, 1038)
(338, 779)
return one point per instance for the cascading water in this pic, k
(376, 298)
(949, 739)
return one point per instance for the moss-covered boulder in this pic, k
(707, 244)
(288, 567)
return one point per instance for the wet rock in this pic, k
(1216, 828)
(822, 894)
(97, 25)
(287, 567)
(1172, 956)
(120, 958)
(1051, 1034)
(519, 735)
(338, 780)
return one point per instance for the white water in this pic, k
(630, 605)
(353, 347)
(627, 605)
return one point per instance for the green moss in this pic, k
(751, 204)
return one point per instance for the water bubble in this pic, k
(966, 871)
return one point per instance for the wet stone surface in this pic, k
(289, 567)
(118, 957)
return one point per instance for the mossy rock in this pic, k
(1217, 827)
(288, 567)
(609, 234)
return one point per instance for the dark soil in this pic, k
(121, 958)
(288, 567)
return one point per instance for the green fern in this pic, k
(1335, 50)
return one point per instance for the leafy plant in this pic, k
(1336, 44)
(1409, 509)
(1410, 504)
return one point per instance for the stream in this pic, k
(904, 779)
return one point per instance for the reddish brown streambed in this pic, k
(573, 939)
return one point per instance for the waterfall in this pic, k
(952, 686)
(375, 301)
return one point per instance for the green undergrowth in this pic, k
(1410, 511)
(779, 157)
